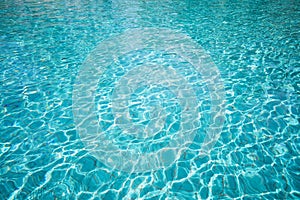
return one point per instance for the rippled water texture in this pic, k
(250, 48)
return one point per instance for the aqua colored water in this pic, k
(150, 99)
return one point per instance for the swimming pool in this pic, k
(150, 99)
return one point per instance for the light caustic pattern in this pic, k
(86, 119)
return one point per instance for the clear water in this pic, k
(255, 47)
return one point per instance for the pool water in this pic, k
(166, 99)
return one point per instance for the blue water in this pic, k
(44, 47)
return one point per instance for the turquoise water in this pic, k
(250, 77)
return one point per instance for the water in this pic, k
(253, 48)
